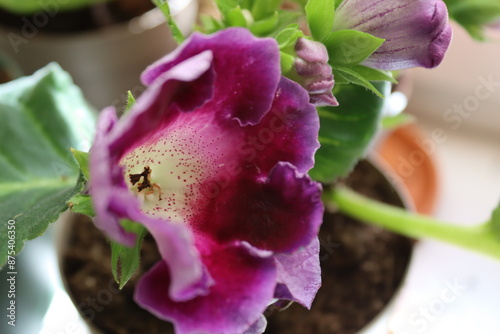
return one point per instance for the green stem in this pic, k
(477, 238)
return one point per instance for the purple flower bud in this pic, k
(416, 32)
(314, 73)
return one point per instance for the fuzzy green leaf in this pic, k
(125, 260)
(43, 116)
(347, 130)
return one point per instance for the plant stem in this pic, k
(479, 238)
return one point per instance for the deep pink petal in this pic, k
(281, 213)
(253, 63)
(101, 170)
(244, 285)
(416, 32)
(299, 274)
(276, 137)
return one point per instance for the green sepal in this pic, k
(287, 38)
(227, 5)
(165, 8)
(82, 204)
(350, 75)
(130, 101)
(350, 47)
(346, 131)
(373, 74)
(320, 16)
(125, 260)
(264, 8)
(236, 18)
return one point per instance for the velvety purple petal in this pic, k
(416, 32)
(188, 277)
(280, 214)
(299, 274)
(243, 287)
(252, 64)
(162, 102)
(105, 189)
(276, 138)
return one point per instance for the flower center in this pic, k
(168, 171)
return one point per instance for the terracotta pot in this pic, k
(94, 292)
(406, 152)
(105, 63)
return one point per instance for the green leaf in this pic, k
(350, 75)
(266, 26)
(227, 5)
(165, 8)
(346, 131)
(373, 74)
(82, 158)
(286, 62)
(125, 260)
(82, 204)
(236, 18)
(350, 47)
(288, 37)
(320, 16)
(264, 8)
(42, 117)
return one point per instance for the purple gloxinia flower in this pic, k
(314, 72)
(416, 32)
(212, 160)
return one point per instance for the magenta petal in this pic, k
(253, 63)
(416, 32)
(244, 285)
(188, 277)
(101, 170)
(276, 137)
(281, 214)
(299, 274)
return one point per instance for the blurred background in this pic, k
(457, 124)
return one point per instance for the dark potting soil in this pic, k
(52, 20)
(362, 268)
